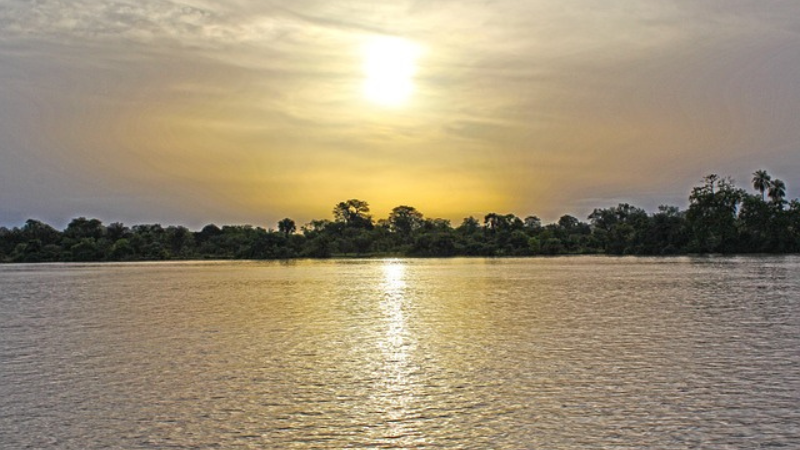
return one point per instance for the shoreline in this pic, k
(351, 257)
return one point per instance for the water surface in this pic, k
(556, 353)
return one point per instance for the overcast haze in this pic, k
(191, 113)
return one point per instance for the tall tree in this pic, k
(712, 214)
(762, 182)
(287, 226)
(777, 192)
(353, 213)
(405, 219)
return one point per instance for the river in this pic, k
(540, 353)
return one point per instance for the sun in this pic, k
(389, 67)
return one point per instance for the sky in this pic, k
(245, 112)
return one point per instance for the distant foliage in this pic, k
(721, 218)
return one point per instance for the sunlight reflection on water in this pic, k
(397, 394)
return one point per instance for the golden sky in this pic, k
(187, 112)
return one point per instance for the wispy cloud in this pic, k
(92, 19)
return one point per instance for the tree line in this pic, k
(721, 218)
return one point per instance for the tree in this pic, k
(470, 237)
(287, 226)
(84, 228)
(777, 192)
(762, 182)
(437, 224)
(117, 231)
(315, 227)
(84, 250)
(502, 222)
(120, 250)
(720, 218)
(793, 228)
(179, 241)
(552, 246)
(492, 221)
(667, 232)
(532, 223)
(353, 213)
(147, 241)
(209, 231)
(36, 230)
(405, 219)
(469, 225)
(712, 214)
(568, 223)
(620, 229)
(606, 219)
(755, 222)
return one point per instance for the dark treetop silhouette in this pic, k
(721, 218)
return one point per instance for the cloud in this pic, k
(93, 19)
(200, 110)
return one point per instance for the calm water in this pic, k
(563, 353)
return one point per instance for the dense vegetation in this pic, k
(721, 218)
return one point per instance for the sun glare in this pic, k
(389, 67)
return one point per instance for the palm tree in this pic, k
(762, 182)
(777, 191)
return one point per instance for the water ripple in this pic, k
(557, 353)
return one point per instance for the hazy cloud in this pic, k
(192, 111)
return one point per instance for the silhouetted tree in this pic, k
(179, 242)
(777, 192)
(84, 228)
(353, 213)
(621, 229)
(667, 233)
(315, 227)
(568, 223)
(755, 222)
(404, 219)
(116, 231)
(36, 230)
(493, 221)
(469, 225)
(209, 231)
(712, 214)
(762, 181)
(720, 218)
(287, 226)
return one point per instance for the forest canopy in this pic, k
(721, 218)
